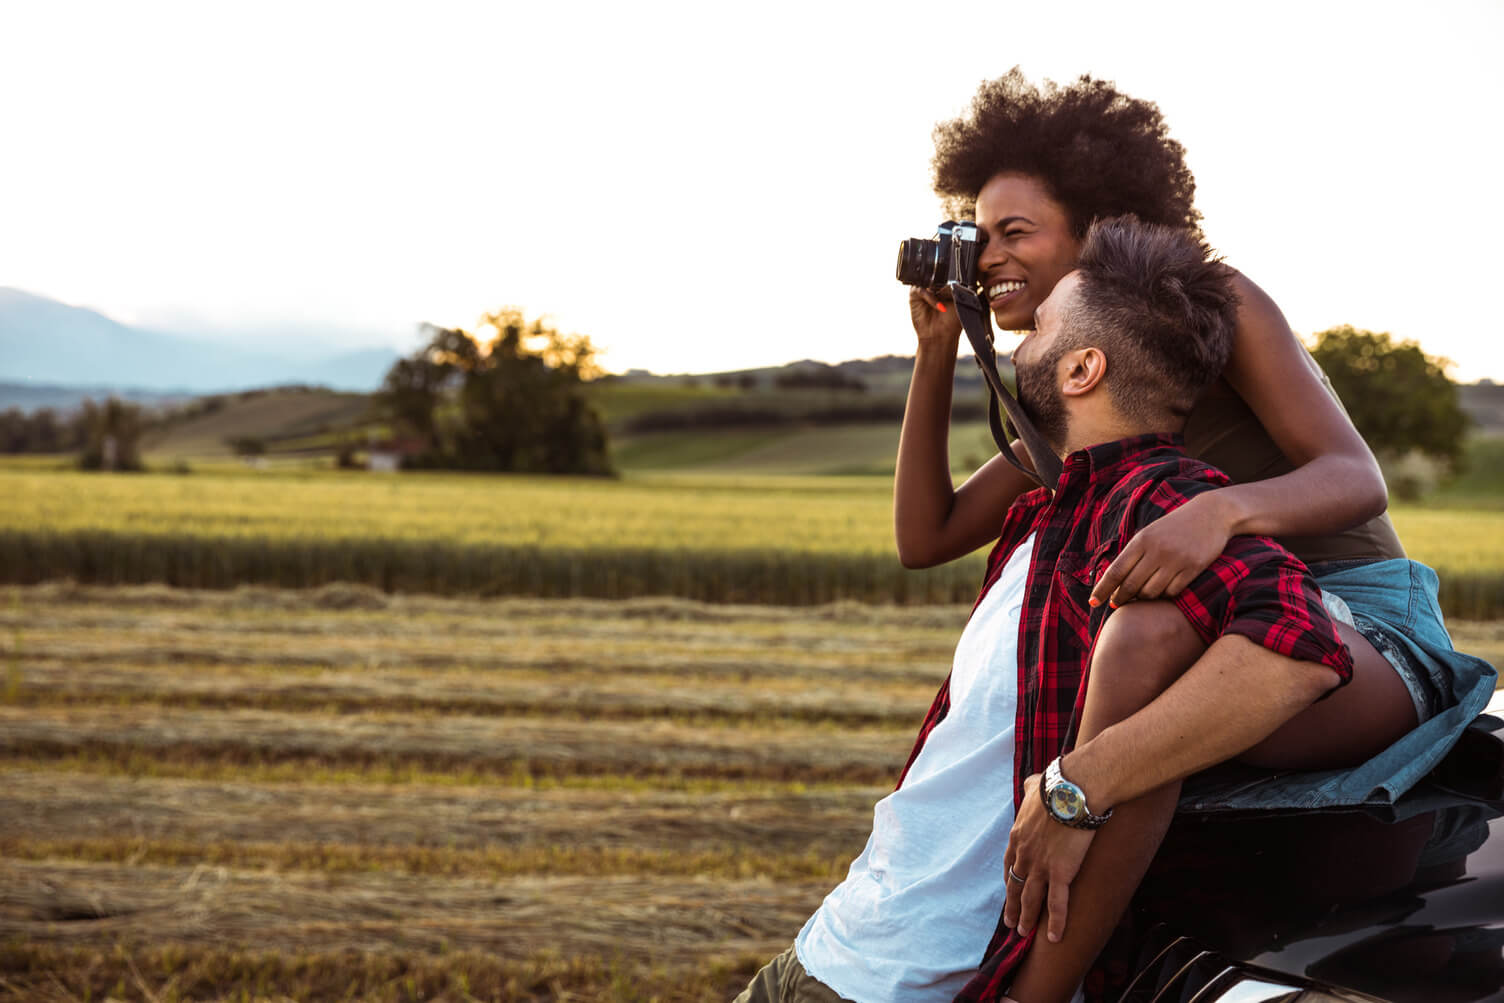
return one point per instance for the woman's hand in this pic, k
(1167, 555)
(1042, 860)
(934, 315)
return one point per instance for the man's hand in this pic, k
(1047, 855)
(1167, 555)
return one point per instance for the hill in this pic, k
(290, 421)
(51, 344)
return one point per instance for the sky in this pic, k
(701, 187)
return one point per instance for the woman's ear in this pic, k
(1084, 371)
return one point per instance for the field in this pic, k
(717, 537)
(477, 738)
(341, 794)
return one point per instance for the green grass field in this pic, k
(727, 537)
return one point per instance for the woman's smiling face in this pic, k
(1029, 247)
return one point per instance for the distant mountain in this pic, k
(44, 342)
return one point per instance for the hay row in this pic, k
(43, 973)
(570, 696)
(731, 863)
(455, 743)
(41, 804)
(675, 920)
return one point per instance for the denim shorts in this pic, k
(1393, 604)
(1425, 692)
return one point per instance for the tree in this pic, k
(1400, 399)
(111, 434)
(515, 401)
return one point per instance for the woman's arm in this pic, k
(933, 522)
(1336, 483)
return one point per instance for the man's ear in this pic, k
(1084, 371)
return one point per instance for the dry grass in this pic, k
(538, 748)
(340, 794)
(331, 795)
(49, 974)
(672, 920)
(39, 804)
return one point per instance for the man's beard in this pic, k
(1041, 398)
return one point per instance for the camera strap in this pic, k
(978, 327)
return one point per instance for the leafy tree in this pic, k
(246, 446)
(111, 434)
(1400, 399)
(514, 401)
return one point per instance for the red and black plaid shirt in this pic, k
(1106, 493)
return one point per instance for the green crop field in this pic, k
(725, 537)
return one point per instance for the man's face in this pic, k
(1036, 362)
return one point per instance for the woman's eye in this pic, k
(1015, 232)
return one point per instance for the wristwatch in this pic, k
(1066, 802)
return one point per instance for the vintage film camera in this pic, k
(950, 256)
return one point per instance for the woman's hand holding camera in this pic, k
(934, 315)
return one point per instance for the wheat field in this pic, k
(720, 538)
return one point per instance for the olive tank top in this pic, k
(1223, 431)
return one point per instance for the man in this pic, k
(1122, 348)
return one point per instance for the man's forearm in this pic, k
(1233, 697)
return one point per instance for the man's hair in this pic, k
(1161, 307)
(1098, 151)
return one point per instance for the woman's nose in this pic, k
(992, 254)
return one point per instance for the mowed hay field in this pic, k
(339, 794)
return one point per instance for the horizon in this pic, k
(704, 192)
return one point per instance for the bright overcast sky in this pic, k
(708, 186)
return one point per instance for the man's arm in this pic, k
(1273, 652)
(1232, 698)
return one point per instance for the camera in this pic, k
(950, 256)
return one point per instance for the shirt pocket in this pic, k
(1076, 575)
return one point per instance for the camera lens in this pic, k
(923, 262)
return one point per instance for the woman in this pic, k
(1034, 167)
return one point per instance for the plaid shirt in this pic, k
(1107, 493)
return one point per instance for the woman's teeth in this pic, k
(1004, 288)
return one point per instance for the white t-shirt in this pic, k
(919, 906)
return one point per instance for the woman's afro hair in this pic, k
(1099, 152)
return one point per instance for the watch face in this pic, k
(1066, 801)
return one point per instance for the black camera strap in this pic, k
(978, 327)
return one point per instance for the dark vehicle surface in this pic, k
(1400, 904)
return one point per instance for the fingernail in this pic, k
(1112, 605)
(1093, 601)
(940, 307)
(1054, 938)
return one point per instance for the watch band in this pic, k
(1054, 781)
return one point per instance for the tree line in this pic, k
(513, 396)
(106, 436)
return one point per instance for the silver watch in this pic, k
(1066, 802)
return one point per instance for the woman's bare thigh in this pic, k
(1350, 725)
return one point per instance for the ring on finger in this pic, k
(1015, 876)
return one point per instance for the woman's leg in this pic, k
(1350, 725)
(1143, 648)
